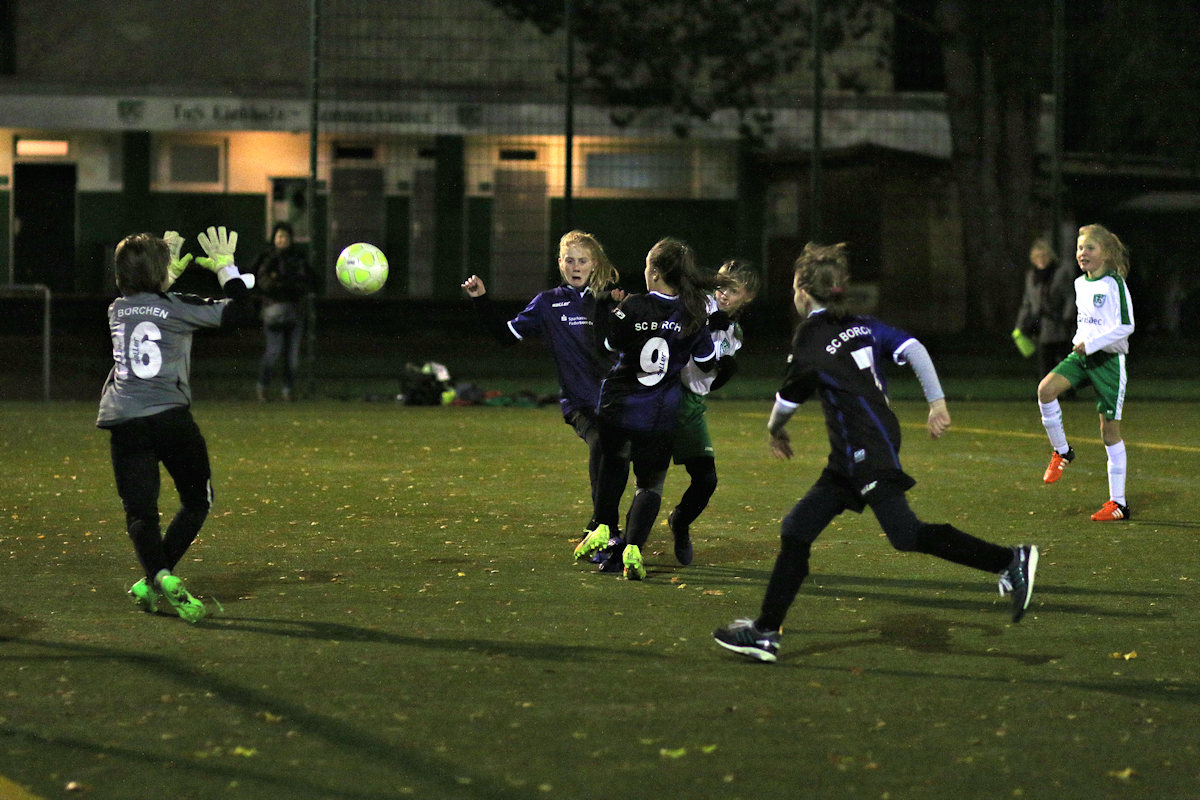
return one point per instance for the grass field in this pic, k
(396, 614)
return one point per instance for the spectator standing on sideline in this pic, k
(284, 279)
(1046, 316)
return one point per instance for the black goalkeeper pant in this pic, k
(138, 447)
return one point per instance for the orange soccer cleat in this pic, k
(1057, 462)
(1111, 512)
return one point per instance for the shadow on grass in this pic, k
(925, 634)
(440, 778)
(1140, 521)
(71, 747)
(554, 650)
(927, 593)
(922, 633)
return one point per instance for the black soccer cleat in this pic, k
(683, 540)
(1017, 578)
(610, 557)
(743, 636)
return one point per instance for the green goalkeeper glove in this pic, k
(178, 265)
(220, 244)
(1023, 343)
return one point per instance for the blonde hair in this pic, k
(741, 272)
(824, 272)
(1116, 255)
(603, 271)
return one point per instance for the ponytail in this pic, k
(824, 272)
(676, 263)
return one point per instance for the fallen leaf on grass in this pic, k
(1132, 654)
(1122, 774)
(678, 752)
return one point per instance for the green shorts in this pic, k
(691, 435)
(1105, 372)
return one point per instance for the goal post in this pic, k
(24, 290)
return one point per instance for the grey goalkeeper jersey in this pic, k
(152, 353)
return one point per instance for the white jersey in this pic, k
(1104, 314)
(725, 343)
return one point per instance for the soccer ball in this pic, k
(362, 268)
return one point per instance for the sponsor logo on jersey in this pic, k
(863, 491)
(561, 304)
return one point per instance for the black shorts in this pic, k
(171, 438)
(860, 491)
(648, 451)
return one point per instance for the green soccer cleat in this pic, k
(187, 607)
(595, 541)
(632, 558)
(144, 595)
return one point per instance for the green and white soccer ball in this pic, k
(362, 268)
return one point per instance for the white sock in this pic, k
(1116, 471)
(1052, 422)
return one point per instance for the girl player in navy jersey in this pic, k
(566, 319)
(838, 356)
(146, 401)
(654, 336)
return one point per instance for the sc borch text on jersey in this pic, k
(852, 332)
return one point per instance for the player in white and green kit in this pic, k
(693, 447)
(1101, 345)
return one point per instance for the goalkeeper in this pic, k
(146, 400)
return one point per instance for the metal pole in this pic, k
(45, 343)
(815, 188)
(310, 194)
(569, 143)
(1056, 158)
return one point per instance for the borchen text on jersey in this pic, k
(153, 311)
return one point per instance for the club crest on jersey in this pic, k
(1098, 300)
